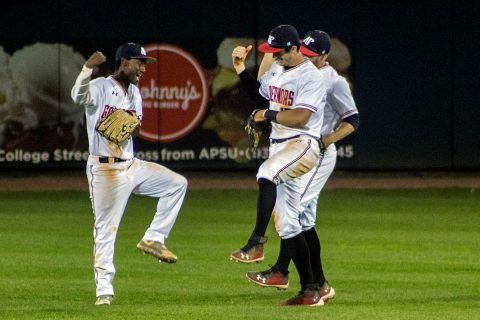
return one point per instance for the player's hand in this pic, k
(95, 59)
(239, 55)
(325, 141)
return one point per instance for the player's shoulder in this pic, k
(329, 72)
(332, 76)
(307, 66)
(99, 82)
(274, 68)
(135, 88)
(340, 83)
(308, 69)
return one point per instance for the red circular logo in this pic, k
(174, 92)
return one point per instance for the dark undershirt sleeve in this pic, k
(354, 120)
(252, 86)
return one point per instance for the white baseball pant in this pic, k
(296, 205)
(110, 187)
(289, 159)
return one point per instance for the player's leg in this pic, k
(277, 275)
(307, 219)
(267, 194)
(302, 183)
(283, 259)
(154, 180)
(290, 230)
(299, 251)
(287, 161)
(109, 192)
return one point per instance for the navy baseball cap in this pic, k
(315, 43)
(132, 50)
(281, 37)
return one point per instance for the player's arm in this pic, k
(310, 94)
(342, 101)
(265, 65)
(293, 118)
(252, 86)
(345, 128)
(81, 89)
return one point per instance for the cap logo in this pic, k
(142, 50)
(270, 39)
(308, 40)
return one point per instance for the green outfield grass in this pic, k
(390, 254)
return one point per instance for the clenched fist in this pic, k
(239, 54)
(95, 59)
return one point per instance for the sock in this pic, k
(300, 254)
(316, 262)
(265, 203)
(267, 195)
(283, 260)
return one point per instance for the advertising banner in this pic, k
(193, 117)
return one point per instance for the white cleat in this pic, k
(104, 300)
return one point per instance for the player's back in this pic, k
(339, 102)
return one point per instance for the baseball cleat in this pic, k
(104, 300)
(326, 292)
(158, 250)
(309, 298)
(255, 254)
(269, 278)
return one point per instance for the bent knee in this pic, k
(287, 232)
(181, 181)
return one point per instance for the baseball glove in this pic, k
(118, 126)
(254, 129)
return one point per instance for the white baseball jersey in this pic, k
(112, 183)
(297, 87)
(301, 86)
(101, 97)
(339, 105)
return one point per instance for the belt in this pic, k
(284, 139)
(110, 160)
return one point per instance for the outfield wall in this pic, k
(411, 64)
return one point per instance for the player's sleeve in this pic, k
(83, 92)
(263, 90)
(252, 87)
(341, 99)
(311, 93)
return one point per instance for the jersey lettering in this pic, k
(281, 96)
(107, 110)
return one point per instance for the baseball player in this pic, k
(114, 173)
(341, 118)
(295, 90)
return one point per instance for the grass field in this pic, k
(390, 254)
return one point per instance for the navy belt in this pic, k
(110, 160)
(284, 139)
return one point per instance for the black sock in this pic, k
(299, 252)
(267, 195)
(283, 260)
(316, 261)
